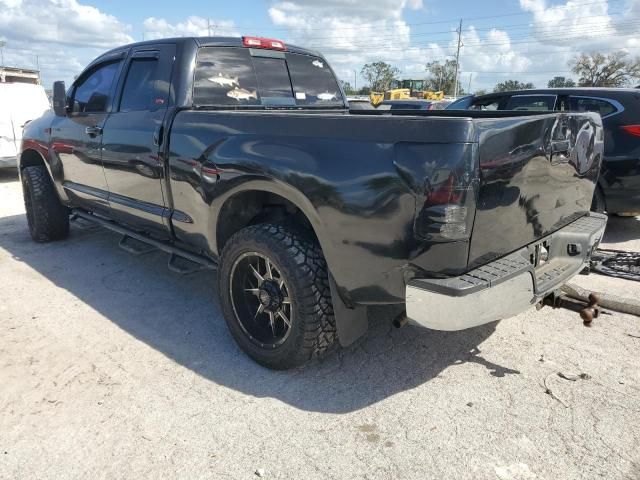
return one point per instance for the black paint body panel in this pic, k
(360, 180)
(620, 175)
(527, 191)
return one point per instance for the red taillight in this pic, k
(444, 193)
(632, 129)
(445, 214)
(259, 42)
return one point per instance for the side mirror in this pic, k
(59, 99)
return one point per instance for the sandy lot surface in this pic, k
(113, 367)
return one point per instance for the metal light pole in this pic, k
(38, 67)
(2, 45)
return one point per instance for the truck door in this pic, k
(77, 137)
(133, 136)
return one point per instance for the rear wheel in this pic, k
(48, 219)
(598, 204)
(275, 296)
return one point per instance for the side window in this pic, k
(313, 82)
(93, 93)
(140, 91)
(487, 104)
(225, 76)
(532, 102)
(584, 104)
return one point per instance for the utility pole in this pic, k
(38, 67)
(469, 89)
(2, 44)
(455, 86)
(355, 81)
(210, 26)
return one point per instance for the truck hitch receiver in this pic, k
(587, 310)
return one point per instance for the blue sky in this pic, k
(528, 40)
(252, 16)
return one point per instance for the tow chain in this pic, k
(616, 263)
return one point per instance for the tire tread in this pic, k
(315, 305)
(50, 217)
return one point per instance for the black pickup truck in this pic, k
(241, 154)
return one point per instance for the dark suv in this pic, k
(619, 183)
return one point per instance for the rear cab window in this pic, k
(233, 77)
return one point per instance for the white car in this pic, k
(19, 104)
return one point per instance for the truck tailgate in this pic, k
(537, 174)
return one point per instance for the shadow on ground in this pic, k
(622, 229)
(8, 175)
(179, 316)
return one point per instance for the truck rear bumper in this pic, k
(507, 286)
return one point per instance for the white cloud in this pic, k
(64, 22)
(353, 33)
(554, 24)
(61, 36)
(560, 31)
(192, 26)
(350, 33)
(67, 34)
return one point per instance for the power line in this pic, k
(477, 29)
(354, 48)
(622, 28)
(436, 22)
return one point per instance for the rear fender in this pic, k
(351, 320)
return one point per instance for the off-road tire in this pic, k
(313, 329)
(598, 204)
(47, 218)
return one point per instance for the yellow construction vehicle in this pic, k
(405, 90)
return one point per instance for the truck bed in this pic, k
(361, 177)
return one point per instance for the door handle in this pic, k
(157, 136)
(93, 131)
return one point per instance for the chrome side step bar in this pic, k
(201, 261)
(135, 247)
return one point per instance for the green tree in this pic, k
(599, 70)
(379, 75)
(348, 89)
(442, 76)
(561, 82)
(481, 91)
(509, 85)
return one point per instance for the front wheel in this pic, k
(47, 217)
(275, 296)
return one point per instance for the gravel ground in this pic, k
(113, 367)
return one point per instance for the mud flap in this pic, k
(351, 323)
